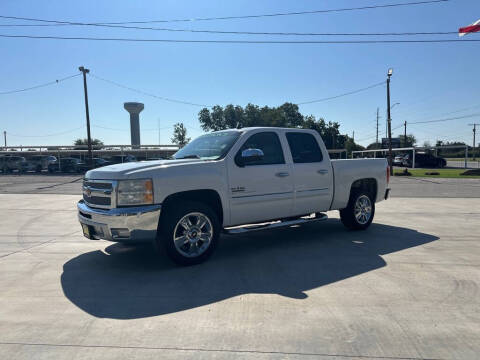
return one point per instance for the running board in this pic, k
(274, 225)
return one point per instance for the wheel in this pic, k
(38, 168)
(358, 215)
(189, 232)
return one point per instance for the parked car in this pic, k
(424, 160)
(41, 162)
(15, 163)
(97, 162)
(67, 165)
(227, 181)
(119, 159)
(398, 160)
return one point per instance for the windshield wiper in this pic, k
(188, 157)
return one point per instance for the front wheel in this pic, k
(189, 232)
(358, 215)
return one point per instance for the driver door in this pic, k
(261, 190)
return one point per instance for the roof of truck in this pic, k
(265, 128)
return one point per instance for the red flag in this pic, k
(475, 27)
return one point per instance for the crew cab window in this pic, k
(269, 143)
(304, 148)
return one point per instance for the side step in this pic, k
(274, 225)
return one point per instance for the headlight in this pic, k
(135, 192)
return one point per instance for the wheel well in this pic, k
(209, 197)
(370, 185)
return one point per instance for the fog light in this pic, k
(120, 233)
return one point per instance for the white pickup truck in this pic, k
(232, 181)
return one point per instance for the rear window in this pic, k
(304, 148)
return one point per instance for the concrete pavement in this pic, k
(401, 186)
(407, 288)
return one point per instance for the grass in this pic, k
(443, 173)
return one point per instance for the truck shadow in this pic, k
(134, 282)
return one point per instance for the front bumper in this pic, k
(130, 224)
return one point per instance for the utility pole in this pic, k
(353, 137)
(405, 134)
(89, 138)
(376, 141)
(474, 131)
(389, 120)
(5, 138)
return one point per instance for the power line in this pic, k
(116, 129)
(48, 135)
(71, 23)
(341, 95)
(147, 93)
(446, 119)
(239, 32)
(308, 12)
(39, 86)
(238, 41)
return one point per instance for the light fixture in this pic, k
(390, 72)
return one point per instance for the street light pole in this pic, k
(474, 131)
(5, 138)
(89, 138)
(389, 120)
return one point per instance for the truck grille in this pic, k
(99, 193)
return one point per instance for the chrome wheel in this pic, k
(193, 234)
(363, 209)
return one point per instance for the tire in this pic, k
(360, 200)
(180, 221)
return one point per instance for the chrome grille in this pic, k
(99, 193)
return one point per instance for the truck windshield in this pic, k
(212, 146)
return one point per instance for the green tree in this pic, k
(287, 115)
(411, 140)
(180, 135)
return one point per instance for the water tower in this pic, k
(134, 110)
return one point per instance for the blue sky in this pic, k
(430, 81)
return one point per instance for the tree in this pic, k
(411, 140)
(286, 115)
(231, 117)
(374, 146)
(180, 135)
(95, 142)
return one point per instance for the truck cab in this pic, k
(232, 181)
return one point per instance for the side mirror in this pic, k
(249, 156)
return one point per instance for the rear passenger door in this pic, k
(261, 190)
(312, 174)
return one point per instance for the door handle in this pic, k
(282, 174)
(322, 171)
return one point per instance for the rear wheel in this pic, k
(358, 215)
(189, 232)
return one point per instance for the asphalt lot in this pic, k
(401, 186)
(407, 288)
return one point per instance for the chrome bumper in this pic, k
(130, 224)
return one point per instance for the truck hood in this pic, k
(135, 170)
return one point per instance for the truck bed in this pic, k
(346, 172)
